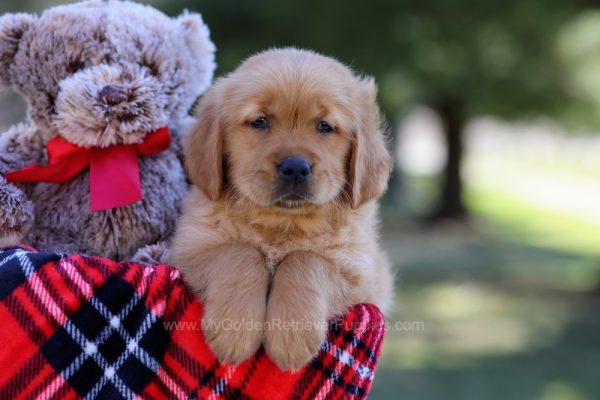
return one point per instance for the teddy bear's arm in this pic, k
(20, 146)
(179, 133)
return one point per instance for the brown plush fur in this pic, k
(61, 61)
(252, 255)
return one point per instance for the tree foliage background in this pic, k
(461, 58)
(509, 302)
(511, 59)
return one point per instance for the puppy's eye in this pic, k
(324, 127)
(260, 123)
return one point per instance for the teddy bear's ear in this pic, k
(12, 28)
(197, 38)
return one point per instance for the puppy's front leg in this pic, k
(299, 306)
(233, 281)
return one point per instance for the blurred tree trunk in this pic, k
(450, 202)
(395, 184)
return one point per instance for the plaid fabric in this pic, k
(87, 327)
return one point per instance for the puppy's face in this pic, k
(288, 141)
(289, 129)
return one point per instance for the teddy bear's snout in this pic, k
(112, 95)
(110, 104)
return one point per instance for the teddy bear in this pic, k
(97, 167)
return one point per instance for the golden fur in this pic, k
(251, 254)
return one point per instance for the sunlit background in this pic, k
(492, 219)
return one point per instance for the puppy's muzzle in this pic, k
(294, 175)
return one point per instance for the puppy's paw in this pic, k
(233, 332)
(232, 281)
(152, 254)
(16, 213)
(298, 309)
(292, 344)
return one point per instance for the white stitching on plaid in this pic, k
(51, 388)
(80, 338)
(25, 262)
(148, 322)
(222, 384)
(132, 347)
(139, 352)
(39, 289)
(178, 392)
(38, 286)
(83, 342)
(13, 255)
(100, 339)
(344, 357)
(76, 278)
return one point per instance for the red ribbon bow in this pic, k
(114, 170)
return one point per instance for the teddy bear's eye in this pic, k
(76, 66)
(151, 67)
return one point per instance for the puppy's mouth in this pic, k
(290, 204)
(291, 201)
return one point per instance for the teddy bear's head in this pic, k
(100, 73)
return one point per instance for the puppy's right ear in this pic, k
(12, 28)
(370, 162)
(204, 147)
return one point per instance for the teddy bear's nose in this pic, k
(112, 95)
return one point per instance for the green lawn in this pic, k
(504, 308)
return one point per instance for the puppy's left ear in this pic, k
(204, 146)
(370, 162)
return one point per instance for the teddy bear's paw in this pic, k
(16, 213)
(10, 238)
(152, 254)
(233, 338)
(292, 344)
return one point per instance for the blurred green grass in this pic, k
(507, 305)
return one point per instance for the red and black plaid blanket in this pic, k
(87, 327)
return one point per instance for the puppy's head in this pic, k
(290, 129)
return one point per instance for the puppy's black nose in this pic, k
(112, 95)
(294, 170)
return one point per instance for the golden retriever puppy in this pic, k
(279, 233)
